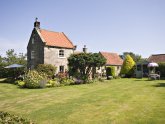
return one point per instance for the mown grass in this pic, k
(120, 101)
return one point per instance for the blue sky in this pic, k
(102, 25)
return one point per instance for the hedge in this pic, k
(161, 68)
(110, 71)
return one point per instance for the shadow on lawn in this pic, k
(146, 79)
(159, 85)
(8, 80)
(142, 80)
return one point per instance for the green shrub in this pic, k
(101, 79)
(53, 83)
(128, 67)
(117, 77)
(21, 84)
(48, 69)
(16, 82)
(66, 81)
(110, 71)
(6, 118)
(161, 68)
(33, 79)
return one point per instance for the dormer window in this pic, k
(61, 53)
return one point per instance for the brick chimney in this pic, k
(85, 49)
(36, 24)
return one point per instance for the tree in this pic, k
(128, 66)
(81, 65)
(11, 58)
(134, 56)
(161, 69)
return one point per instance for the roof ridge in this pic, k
(109, 52)
(51, 31)
(157, 54)
(67, 38)
(53, 38)
(112, 58)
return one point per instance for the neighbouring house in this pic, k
(141, 67)
(158, 58)
(48, 47)
(113, 59)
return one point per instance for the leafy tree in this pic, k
(11, 58)
(81, 65)
(134, 56)
(128, 66)
(161, 69)
(1, 59)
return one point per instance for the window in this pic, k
(61, 68)
(32, 54)
(139, 68)
(61, 53)
(32, 40)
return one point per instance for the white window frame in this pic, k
(61, 55)
(32, 54)
(32, 40)
(60, 68)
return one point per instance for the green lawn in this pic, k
(120, 101)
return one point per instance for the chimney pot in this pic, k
(36, 24)
(85, 49)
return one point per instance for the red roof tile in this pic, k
(58, 39)
(112, 58)
(157, 58)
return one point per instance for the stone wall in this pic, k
(117, 70)
(45, 54)
(51, 56)
(38, 47)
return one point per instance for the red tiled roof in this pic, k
(157, 58)
(58, 39)
(112, 58)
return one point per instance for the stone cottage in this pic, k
(48, 47)
(113, 59)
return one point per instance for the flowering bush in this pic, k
(48, 69)
(21, 84)
(33, 79)
(6, 118)
(63, 79)
(66, 81)
(52, 83)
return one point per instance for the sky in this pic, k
(118, 26)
